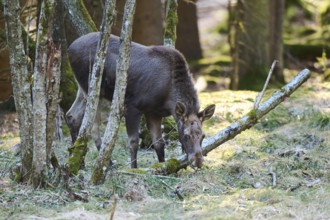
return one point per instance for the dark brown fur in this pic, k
(159, 84)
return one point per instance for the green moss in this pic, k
(77, 155)
(158, 166)
(172, 165)
(252, 114)
(86, 15)
(137, 171)
(171, 22)
(97, 177)
(68, 87)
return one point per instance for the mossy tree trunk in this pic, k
(117, 107)
(68, 85)
(255, 39)
(171, 23)
(79, 16)
(21, 82)
(251, 53)
(79, 148)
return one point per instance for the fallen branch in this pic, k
(241, 124)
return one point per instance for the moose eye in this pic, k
(203, 136)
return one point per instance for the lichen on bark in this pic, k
(171, 22)
(76, 155)
(21, 83)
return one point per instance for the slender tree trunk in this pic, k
(68, 85)
(277, 10)
(53, 79)
(171, 23)
(41, 152)
(79, 17)
(187, 30)
(235, 16)
(21, 84)
(79, 148)
(148, 17)
(251, 53)
(117, 106)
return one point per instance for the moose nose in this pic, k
(197, 160)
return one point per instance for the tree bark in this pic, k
(41, 152)
(187, 30)
(21, 84)
(79, 148)
(235, 16)
(251, 48)
(246, 122)
(79, 17)
(148, 17)
(53, 80)
(171, 23)
(277, 10)
(117, 106)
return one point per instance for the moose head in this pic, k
(190, 131)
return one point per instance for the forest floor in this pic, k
(278, 169)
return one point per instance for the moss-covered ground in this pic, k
(279, 169)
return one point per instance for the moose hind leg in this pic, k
(154, 125)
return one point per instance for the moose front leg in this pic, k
(132, 127)
(154, 125)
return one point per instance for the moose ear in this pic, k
(180, 109)
(206, 113)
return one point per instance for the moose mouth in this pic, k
(196, 160)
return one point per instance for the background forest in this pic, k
(278, 169)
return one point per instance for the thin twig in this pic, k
(261, 94)
(176, 191)
(115, 200)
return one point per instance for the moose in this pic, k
(159, 84)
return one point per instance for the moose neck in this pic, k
(183, 85)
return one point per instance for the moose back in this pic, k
(159, 84)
